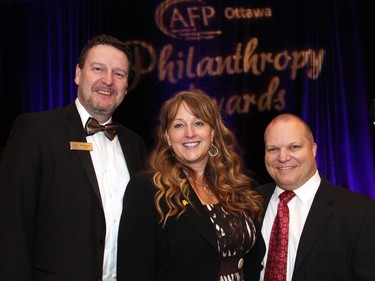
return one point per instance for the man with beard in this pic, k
(64, 173)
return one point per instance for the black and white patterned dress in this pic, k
(235, 237)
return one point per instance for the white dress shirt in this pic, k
(299, 208)
(113, 176)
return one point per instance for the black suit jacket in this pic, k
(51, 217)
(338, 239)
(185, 250)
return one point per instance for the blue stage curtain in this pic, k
(41, 40)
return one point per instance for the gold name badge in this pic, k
(76, 145)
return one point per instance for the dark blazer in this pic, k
(185, 250)
(51, 217)
(338, 239)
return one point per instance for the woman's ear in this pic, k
(212, 135)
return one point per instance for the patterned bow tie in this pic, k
(92, 127)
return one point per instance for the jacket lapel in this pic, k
(198, 216)
(126, 149)
(76, 133)
(318, 217)
(266, 191)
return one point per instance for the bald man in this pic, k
(331, 232)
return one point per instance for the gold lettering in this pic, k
(268, 12)
(176, 17)
(205, 66)
(316, 64)
(265, 100)
(299, 61)
(237, 59)
(207, 12)
(233, 105)
(250, 60)
(189, 65)
(176, 65)
(273, 98)
(280, 100)
(249, 100)
(180, 65)
(142, 52)
(166, 67)
(193, 15)
(245, 13)
(281, 61)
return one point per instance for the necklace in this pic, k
(207, 196)
(205, 187)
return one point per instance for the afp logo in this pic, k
(186, 19)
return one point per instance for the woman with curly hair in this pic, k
(192, 215)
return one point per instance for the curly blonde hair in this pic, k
(224, 172)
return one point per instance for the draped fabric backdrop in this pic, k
(257, 58)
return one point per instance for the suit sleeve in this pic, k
(20, 178)
(363, 259)
(137, 239)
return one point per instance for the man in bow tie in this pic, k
(62, 182)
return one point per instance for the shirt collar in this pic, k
(307, 191)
